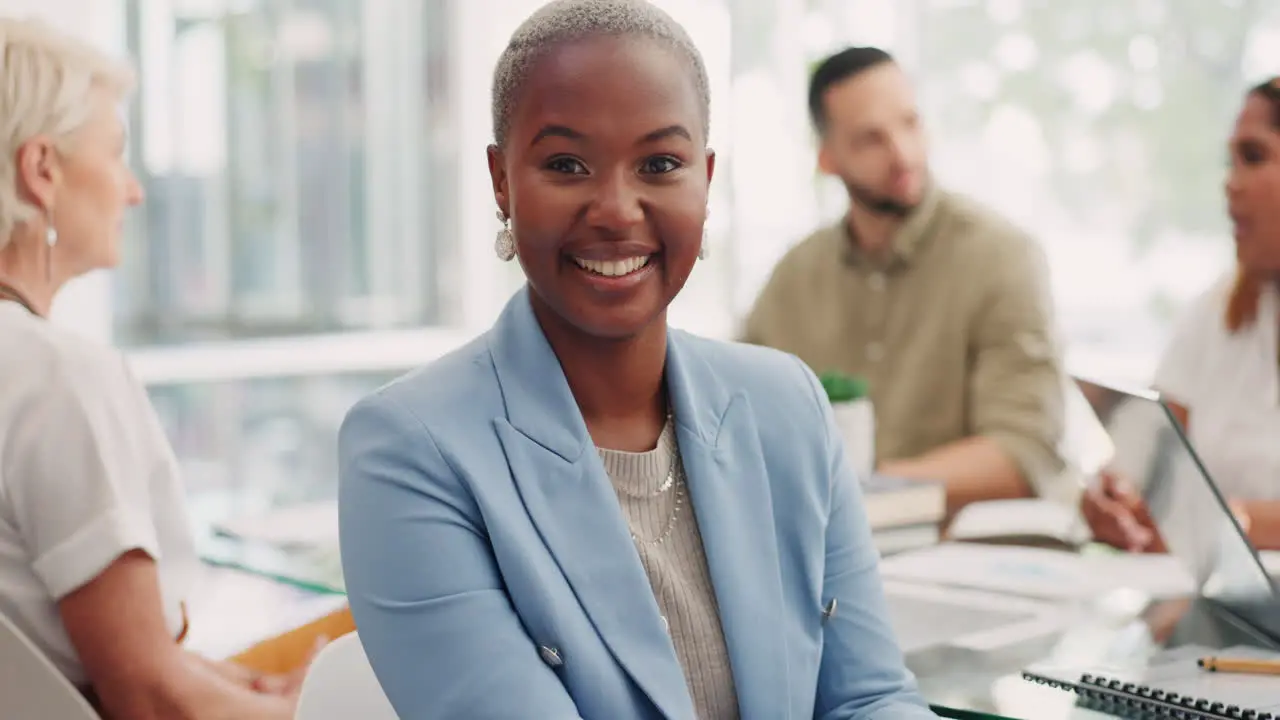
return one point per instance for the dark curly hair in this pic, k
(1242, 306)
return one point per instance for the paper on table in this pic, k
(1040, 573)
(1021, 518)
(233, 610)
(307, 525)
(928, 616)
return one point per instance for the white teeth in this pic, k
(613, 268)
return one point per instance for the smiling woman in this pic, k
(607, 208)
(585, 513)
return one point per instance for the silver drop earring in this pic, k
(504, 245)
(50, 239)
(702, 249)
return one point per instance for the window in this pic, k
(320, 216)
(299, 162)
(249, 445)
(1101, 127)
(300, 231)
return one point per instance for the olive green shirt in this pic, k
(952, 327)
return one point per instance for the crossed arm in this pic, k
(116, 624)
(84, 473)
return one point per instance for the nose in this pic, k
(898, 151)
(134, 194)
(900, 145)
(616, 206)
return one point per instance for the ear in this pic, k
(498, 175)
(826, 163)
(38, 171)
(711, 165)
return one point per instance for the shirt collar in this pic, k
(908, 240)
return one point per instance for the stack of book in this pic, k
(904, 514)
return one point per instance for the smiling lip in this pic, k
(1240, 223)
(613, 267)
(617, 273)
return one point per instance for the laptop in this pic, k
(1151, 449)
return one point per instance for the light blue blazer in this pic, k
(492, 575)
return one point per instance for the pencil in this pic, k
(1238, 665)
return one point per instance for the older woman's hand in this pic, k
(1240, 509)
(289, 684)
(1118, 517)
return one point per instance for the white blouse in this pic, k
(1230, 384)
(86, 474)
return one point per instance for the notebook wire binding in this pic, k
(1138, 702)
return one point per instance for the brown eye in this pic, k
(1252, 155)
(566, 165)
(660, 165)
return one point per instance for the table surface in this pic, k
(234, 609)
(237, 608)
(1116, 631)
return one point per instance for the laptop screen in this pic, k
(1150, 450)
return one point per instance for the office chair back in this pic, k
(32, 688)
(341, 685)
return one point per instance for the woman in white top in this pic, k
(96, 558)
(1221, 373)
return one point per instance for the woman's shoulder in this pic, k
(52, 359)
(1214, 297)
(445, 390)
(761, 373)
(741, 358)
(1198, 345)
(1203, 318)
(788, 410)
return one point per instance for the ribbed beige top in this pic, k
(677, 569)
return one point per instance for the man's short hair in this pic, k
(843, 65)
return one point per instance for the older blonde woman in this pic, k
(96, 557)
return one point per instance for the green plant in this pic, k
(843, 388)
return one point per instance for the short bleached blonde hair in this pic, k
(46, 83)
(566, 21)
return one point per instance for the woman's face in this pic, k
(604, 174)
(1253, 187)
(87, 185)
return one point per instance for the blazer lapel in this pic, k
(571, 502)
(731, 496)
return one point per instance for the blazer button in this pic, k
(551, 656)
(829, 611)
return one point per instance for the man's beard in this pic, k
(878, 204)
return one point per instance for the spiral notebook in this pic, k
(1173, 688)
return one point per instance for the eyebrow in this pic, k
(571, 134)
(1249, 143)
(556, 131)
(666, 132)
